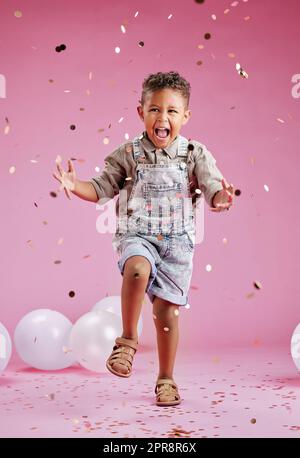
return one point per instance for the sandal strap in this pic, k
(127, 342)
(123, 361)
(165, 381)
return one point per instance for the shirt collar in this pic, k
(171, 150)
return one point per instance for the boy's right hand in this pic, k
(67, 179)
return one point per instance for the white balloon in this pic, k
(295, 346)
(93, 337)
(42, 340)
(113, 304)
(5, 347)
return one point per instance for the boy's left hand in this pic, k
(223, 199)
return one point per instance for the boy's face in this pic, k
(165, 109)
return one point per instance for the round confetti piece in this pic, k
(141, 44)
(253, 420)
(207, 36)
(12, 169)
(71, 293)
(72, 127)
(117, 50)
(176, 312)
(166, 329)
(18, 14)
(237, 192)
(53, 194)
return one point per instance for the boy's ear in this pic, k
(140, 112)
(187, 115)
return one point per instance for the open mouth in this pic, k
(162, 133)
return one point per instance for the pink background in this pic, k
(251, 146)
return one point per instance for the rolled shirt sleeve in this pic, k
(111, 180)
(208, 175)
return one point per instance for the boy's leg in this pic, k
(166, 322)
(135, 279)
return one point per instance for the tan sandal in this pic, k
(120, 360)
(166, 392)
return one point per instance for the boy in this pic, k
(162, 174)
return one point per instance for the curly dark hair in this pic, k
(156, 81)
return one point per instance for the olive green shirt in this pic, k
(120, 164)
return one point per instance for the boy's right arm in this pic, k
(85, 190)
(108, 183)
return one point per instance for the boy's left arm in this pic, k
(217, 192)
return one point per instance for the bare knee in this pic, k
(165, 313)
(137, 267)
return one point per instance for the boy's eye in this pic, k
(169, 110)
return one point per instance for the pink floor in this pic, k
(239, 392)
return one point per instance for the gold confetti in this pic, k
(18, 14)
(253, 420)
(166, 329)
(176, 312)
(240, 71)
(224, 240)
(257, 284)
(106, 140)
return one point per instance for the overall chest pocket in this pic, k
(161, 190)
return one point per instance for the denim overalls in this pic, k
(160, 224)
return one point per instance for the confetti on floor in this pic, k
(241, 392)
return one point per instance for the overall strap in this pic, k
(182, 146)
(136, 148)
